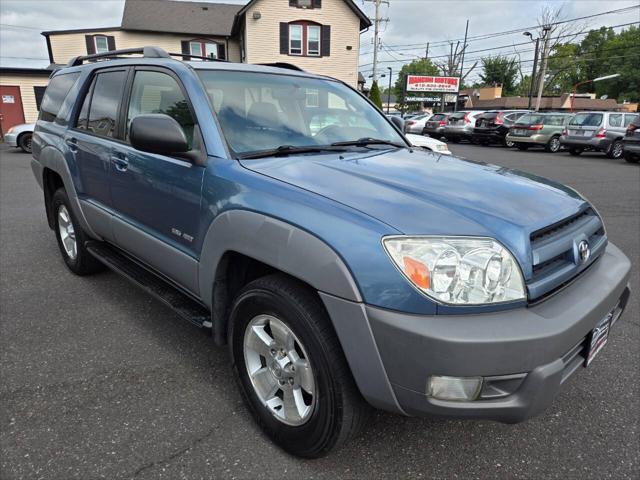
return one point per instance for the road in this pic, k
(100, 381)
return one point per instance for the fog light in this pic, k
(454, 388)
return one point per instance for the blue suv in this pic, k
(284, 213)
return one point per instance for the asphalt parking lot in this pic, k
(100, 381)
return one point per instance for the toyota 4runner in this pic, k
(284, 213)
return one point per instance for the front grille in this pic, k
(555, 261)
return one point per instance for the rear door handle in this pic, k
(120, 161)
(72, 143)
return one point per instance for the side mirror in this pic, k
(398, 122)
(157, 133)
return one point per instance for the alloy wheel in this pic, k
(279, 369)
(67, 232)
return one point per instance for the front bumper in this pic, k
(11, 139)
(599, 144)
(533, 349)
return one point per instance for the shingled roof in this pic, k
(200, 18)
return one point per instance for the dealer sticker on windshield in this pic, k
(598, 338)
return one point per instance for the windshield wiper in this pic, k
(366, 141)
(289, 150)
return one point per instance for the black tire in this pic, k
(616, 150)
(340, 411)
(631, 157)
(24, 142)
(522, 146)
(553, 145)
(83, 263)
(575, 151)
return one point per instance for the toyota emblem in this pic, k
(584, 252)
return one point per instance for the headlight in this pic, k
(458, 270)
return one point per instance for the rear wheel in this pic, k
(24, 142)
(508, 143)
(291, 368)
(553, 145)
(522, 146)
(615, 150)
(575, 151)
(71, 238)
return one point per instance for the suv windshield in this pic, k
(587, 119)
(262, 112)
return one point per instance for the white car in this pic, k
(20, 136)
(416, 124)
(428, 143)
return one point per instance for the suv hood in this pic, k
(421, 193)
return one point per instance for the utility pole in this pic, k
(543, 68)
(376, 33)
(426, 53)
(464, 48)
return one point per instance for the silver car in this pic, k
(460, 125)
(597, 131)
(20, 136)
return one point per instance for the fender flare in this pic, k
(278, 244)
(54, 160)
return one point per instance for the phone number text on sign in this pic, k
(428, 83)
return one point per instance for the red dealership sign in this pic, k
(429, 83)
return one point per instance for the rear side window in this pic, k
(615, 120)
(102, 103)
(55, 94)
(587, 119)
(156, 92)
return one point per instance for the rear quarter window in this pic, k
(54, 95)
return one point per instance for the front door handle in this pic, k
(120, 162)
(72, 143)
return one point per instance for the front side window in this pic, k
(295, 39)
(259, 111)
(101, 43)
(156, 92)
(105, 101)
(313, 40)
(55, 94)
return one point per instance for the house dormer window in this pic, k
(305, 39)
(101, 44)
(305, 3)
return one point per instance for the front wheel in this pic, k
(616, 150)
(24, 142)
(291, 368)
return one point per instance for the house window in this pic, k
(295, 39)
(312, 97)
(305, 3)
(313, 40)
(101, 44)
(203, 49)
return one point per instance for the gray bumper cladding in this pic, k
(543, 344)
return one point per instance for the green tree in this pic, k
(565, 69)
(500, 70)
(374, 95)
(416, 67)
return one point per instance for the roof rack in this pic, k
(147, 52)
(211, 59)
(286, 65)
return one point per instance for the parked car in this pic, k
(20, 136)
(340, 266)
(596, 131)
(434, 127)
(539, 130)
(416, 124)
(631, 141)
(428, 143)
(493, 126)
(460, 126)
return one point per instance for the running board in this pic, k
(181, 303)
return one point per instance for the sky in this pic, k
(412, 23)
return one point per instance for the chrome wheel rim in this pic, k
(67, 232)
(555, 144)
(617, 150)
(509, 143)
(279, 369)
